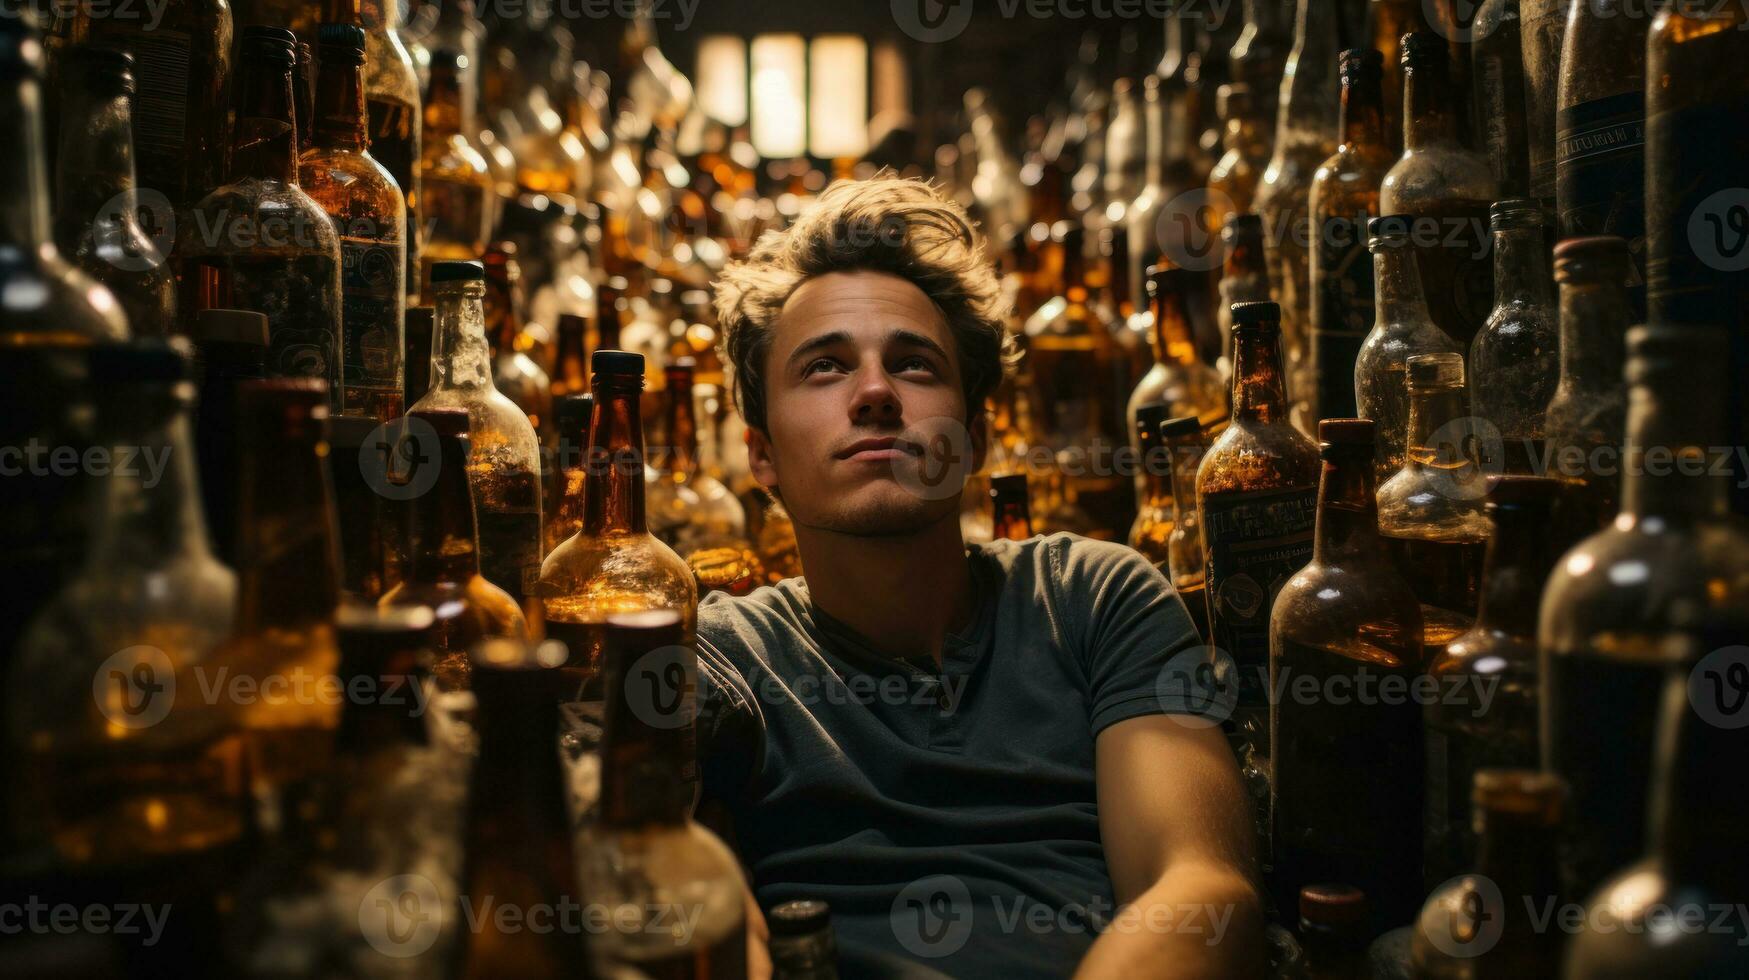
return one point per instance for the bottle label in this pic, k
(1344, 293)
(509, 548)
(370, 303)
(160, 106)
(394, 143)
(1256, 540)
(1600, 171)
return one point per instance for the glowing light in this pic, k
(722, 78)
(780, 122)
(838, 96)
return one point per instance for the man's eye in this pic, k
(916, 364)
(819, 364)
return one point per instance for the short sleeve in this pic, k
(731, 728)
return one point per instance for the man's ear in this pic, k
(759, 458)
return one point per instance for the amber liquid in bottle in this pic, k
(1151, 534)
(1184, 443)
(454, 182)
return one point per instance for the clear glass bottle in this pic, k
(689, 510)
(136, 773)
(1515, 360)
(1404, 329)
(1244, 154)
(1155, 517)
(1542, 25)
(1497, 655)
(1672, 550)
(47, 300)
(1348, 771)
(453, 178)
(1446, 188)
(391, 91)
(1178, 378)
(504, 454)
(613, 564)
(1497, 79)
(340, 174)
(514, 373)
(96, 218)
(1344, 197)
(1584, 424)
(1184, 442)
(644, 853)
(260, 242)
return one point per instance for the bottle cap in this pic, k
(617, 362)
(1522, 792)
(1256, 312)
(218, 326)
(1150, 417)
(1424, 49)
(1178, 428)
(144, 361)
(1357, 64)
(1593, 258)
(1332, 905)
(271, 44)
(457, 272)
(1440, 370)
(1347, 432)
(341, 42)
(799, 917)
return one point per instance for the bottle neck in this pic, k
(1521, 555)
(502, 322)
(680, 457)
(95, 188)
(1307, 115)
(340, 112)
(1259, 390)
(1348, 513)
(446, 546)
(517, 795)
(460, 357)
(1675, 431)
(264, 143)
(151, 507)
(1362, 116)
(1171, 332)
(1433, 439)
(644, 778)
(1594, 325)
(613, 499)
(449, 107)
(1517, 852)
(1429, 114)
(24, 200)
(287, 575)
(1521, 268)
(1397, 285)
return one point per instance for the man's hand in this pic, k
(1179, 846)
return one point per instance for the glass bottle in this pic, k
(802, 944)
(1178, 378)
(1010, 508)
(1305, 134)
(391, 92)
(1673, 549)
(288, 586)
(443, 567)
(1184, 442)
(47, 300)
(1172, 111)
(340, 174)
(1259, 57)
(689, 510)
(96, 219)
(1257, 490)
(1215, 38)
(518, 839)
(260, 242)
(1404, 329)
(570, 375)
(613, 564)
(362, 513)
(1387, 22)
(454, 181)
(1344, 197)
(1497, 78)
(136, 773)
(1542, 25)
(1584, 425)
(1514, 360)
(571, 417)
(1347, 770)
(1244, 156)
(1695, 857)
(1244, 277)
(1600, 130)
(1495, 658)
(1488, 923)
(1152, 530)
(1333, 932)
(514, 373)
(230, 347)
(1446, 188)
(644, 852)
(1430, 511)
(504, 455)
(418, 329)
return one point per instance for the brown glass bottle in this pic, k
(689, 510)
(1244, 277)
(1485, 714)
(514, 373)
(613, 563)
(391, 91)
(1344, 197)
(1600, 131)
(97, 199)
(230, 347)
(570, 375)
(340, 173)
(420, 324)
(1152, 531)
(1178, 378)
(1514, 361)
(260, 242)
(443, 567)
(1673, 549)
(1585, 421)
(571, 417)
(1489, 923)
(1347, 765)
(1257, 489)
(454, 182)
(1259, 56)
(1333, 932)
(518, 842)
(1184, 442)
(1497, 81)
(1387, 22)
(1011, 513)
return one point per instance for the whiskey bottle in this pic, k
(340, 174)
(1583, 426)
(644, 854)
(96, 219)
(1498, 654)
(1404, 328)
(1514, 360)
(1178, 378)
(514, 373)
(1487, 923)
(689, 510)
(571, 417)
(1257, 489)
(443, 567)
(613, 563)
(1673, 549)
(49, 301)
(504, 456)
(260, 242)
(1244, 153)
(454, 182)
(391, 91)
(1244, 277)
(230, 347)
(1497, 78)
(1010, 508)
(1600, 131)
(1184, 442)
(1348, 771)
(1152, 530)
(1446, 188)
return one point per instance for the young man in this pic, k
(986, 760)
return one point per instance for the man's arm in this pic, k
(1178, 842)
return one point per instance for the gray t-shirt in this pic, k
(948, 817)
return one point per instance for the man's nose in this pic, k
(875, 400)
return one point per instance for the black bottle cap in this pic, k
(342, 41)
(1256, 312)
(1347, 432)
(458, 272)
(275, 44)
(1424, 49)
(798, 917)
(1180, 427)
(146, 361)
(1150, 417)
(616, 362)
(219, 326)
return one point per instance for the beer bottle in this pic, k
(571, 371)
(453, 177)
(230, 347)
(802, 945)
(571, 416)
(1333, 932)
(1011, 516)
(1673, 548)
(1514, 360)
(1179, 379)
(1346, 754)
(1183, 440)
(1152, 529)
(1583, 425)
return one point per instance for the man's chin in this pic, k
(883, 512)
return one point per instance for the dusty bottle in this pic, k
(571, 416)
(1447, 188)
(1347, 770)
(453, 178)
(1184, 442)
(1178, 378)
(1344, 197)
(391, 91)
(1244, 276)
(1497, 79)
(802, 945)
(1495, 660)
(504, 458)
(1515, 359)
(1583, 426)
(1152, 530)
(341, 174)
(1542, 25)
(1244, 153)
(1404, 328)
(514, 372)
(1259, 56)
(1673, 549)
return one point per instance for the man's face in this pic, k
(861, 377)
